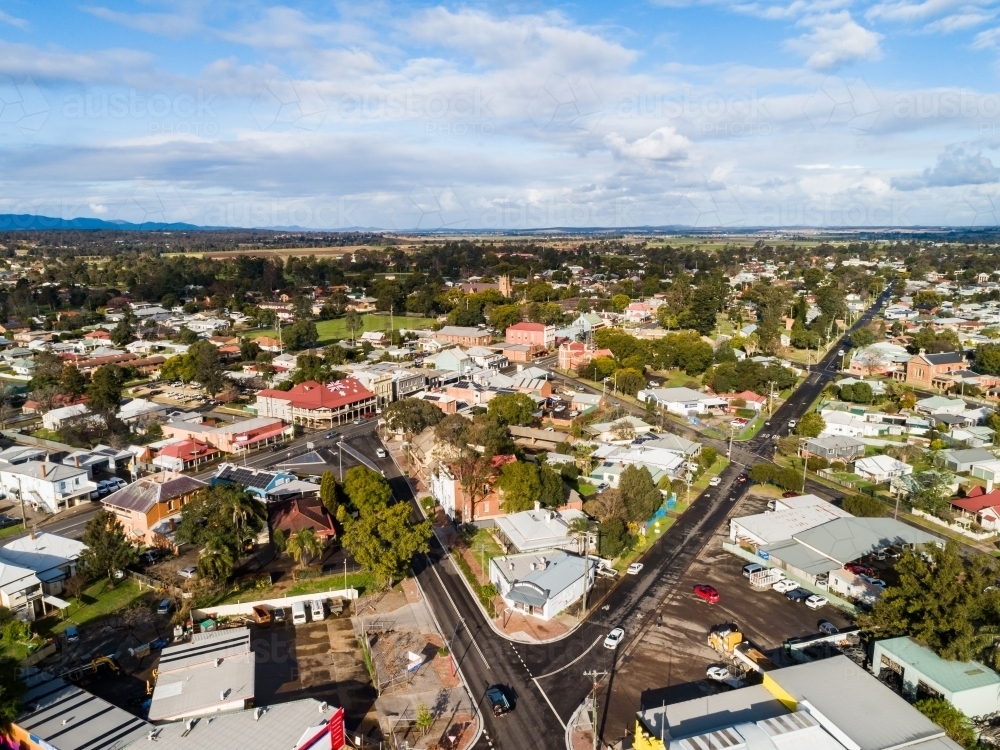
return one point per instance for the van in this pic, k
(749, 570)
(316, 610)
(298, 613)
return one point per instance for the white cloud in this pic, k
(986, 39)
(98, 208)
(958, 21)
(13, 20)
(663, 144)
(173, 25)
(835, 39)
(954, 167)
(53, 65)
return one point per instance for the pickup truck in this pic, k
(498, 701)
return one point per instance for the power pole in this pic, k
(595, 678)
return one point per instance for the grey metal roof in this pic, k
(970, 455)
(701, 715)
(558, 572)
(854, 701)
(801, 557)
(213, 671)
(278, 726)
(143, 494)
(847, 539)
(68, 718)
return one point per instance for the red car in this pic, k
(790, 494)
(707, 593)
(859, 570)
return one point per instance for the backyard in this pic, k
(330, 330)
(98, 601)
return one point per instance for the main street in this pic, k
(548, 680)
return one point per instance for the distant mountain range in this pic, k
(15, 222)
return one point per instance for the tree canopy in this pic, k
(512, 409)
(811, 424)
(411, 415)
(108, 548)
(105, 390)
(225, 519)
(367, 490)
(639, 494)
(520, 484)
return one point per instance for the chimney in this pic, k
(538, 505)
(989, 486)
(32, 535)
(173, 525)
(45, 469)
(76, 461)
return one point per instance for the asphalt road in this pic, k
(549, 680)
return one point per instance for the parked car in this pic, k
(330, 435)
(828, 627)
(150, 556)
(877, 582)
(749, 570)
(164, 608)
(784, 586)
(380, 452)
(742, 478)
(634, 569)
(72, 634)
(714, 482)
(6, 520)
(789, 494)
(359, 421)
(798, 595)
(715, 672)
(189, 572)
(278, 613)
(816, 602)
(614, 638)
(116, 483)
(859, 570)
(103, 488)
(792, 423)
(708, 593)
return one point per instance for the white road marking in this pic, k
(558, 717)
(448, 594)
(567, 666)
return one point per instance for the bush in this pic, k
(815, 463)
(17, 631)
(863, 506)
(570, 471)
(746, 413)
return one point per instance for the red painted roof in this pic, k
(313, 395)
(526, 327)
(188, 450)
(977, 501)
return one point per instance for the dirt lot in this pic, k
(669, 663)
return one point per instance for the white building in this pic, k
(541, 586)
(46, 486)
(683, 401)
(879, 469)
(55, 418)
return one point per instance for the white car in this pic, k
(714, 482)
(784, 586)
(187, 572)
(717, 673)
(877, 582)
(792, 423)
(380, 453)
(614, 638)
(816, 602)
(634, 569)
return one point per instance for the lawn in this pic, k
(11, 530)
(337, 329)
(485, 548)
(98, 601)
(584, 488)
(675, 379)
(363, 582)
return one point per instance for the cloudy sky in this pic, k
(521, 115)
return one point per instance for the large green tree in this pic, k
(122, 333)
(384, 542)
(224, 519)
(639, 494)
(71, 381)
(512, 408)
(504, 316)
(811, 424)
(411, 415)
(520, 484)
(105, 390)
(12, 691)
(108, 549)
(366, 489)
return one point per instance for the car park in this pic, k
(634, 569)
(706, 593)
(189, 572)
(798, 595)
(816, 601)
(785, 585)
(614, 638)
(714, 482)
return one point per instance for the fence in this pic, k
(246, 608)
(956, 527)
(19, 437)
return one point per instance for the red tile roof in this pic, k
(188, 450)
(307, 513)
(313, 395)
(977, 500)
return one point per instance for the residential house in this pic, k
(456, 359)
(622, 430)
(298, 515)
(463, 336)
(149, 509)
(51, 557)
(183, 455)
(973, 437)
(683, 401)
(750, 400)
(488, 358)
(542, 586)
(318, 404)
(445, 485)
(138, 410)
(268, 344)
(879, 469)
(979, 506)
(575, 356)
(378, 339)
(675, 444)
(49, 487)
(834, 448)
(257, 482)
(935, 405)
(962, 461)
(54, 419)
(924, 369)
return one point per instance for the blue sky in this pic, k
(469, 116)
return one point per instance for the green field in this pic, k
(337, 329)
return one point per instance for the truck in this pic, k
(498, 701)
(766, 577)
(728, 640)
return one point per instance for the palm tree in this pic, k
(217, 561)
(303, 545)
(248, 517)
